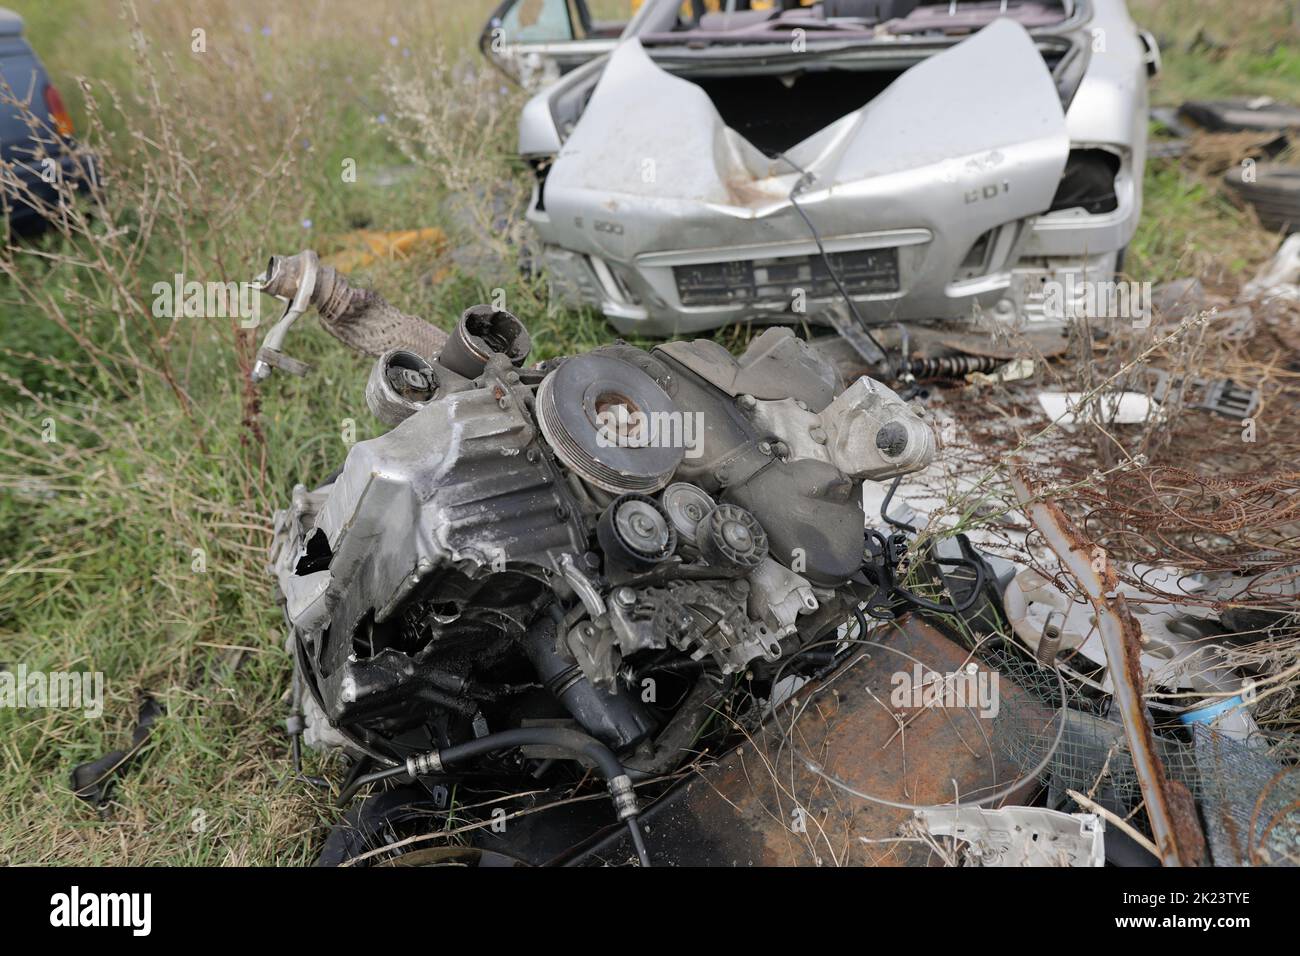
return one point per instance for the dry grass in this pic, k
(138, 470)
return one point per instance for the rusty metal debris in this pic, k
(763, 804)
(1237, 531)
(359, 318)
(1169, 806)
(764, 655)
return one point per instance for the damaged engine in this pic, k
(606, 542)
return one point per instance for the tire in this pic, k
(1241, 115)
(1275, 194)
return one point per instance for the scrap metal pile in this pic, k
(780, 617)
(1176, 531)
(639, 561)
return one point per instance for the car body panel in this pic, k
(652, 179)
(1109, 111)
(952, 167)
(39, 157)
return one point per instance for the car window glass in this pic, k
(537, 21)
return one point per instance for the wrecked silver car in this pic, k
(914, 161)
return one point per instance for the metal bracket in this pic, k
(1020, 836)
(269, 355)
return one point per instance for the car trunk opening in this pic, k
(775, 113)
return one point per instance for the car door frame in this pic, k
(545, 60)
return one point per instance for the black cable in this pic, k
(638, 841)
(350, 788)
(884, 508)
(939, 608)
(667, 667)
(861, 619)
(970, 560)
(805, 178)
(570, 740)
(672, 571)
(565, 739)
(577, 743)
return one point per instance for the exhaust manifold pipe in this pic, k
(359, 318)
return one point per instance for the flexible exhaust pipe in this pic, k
(359, 318)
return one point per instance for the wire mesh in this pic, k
(1248, 793)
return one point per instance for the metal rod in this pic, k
(1172, 813)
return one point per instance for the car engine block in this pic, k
(539, 543)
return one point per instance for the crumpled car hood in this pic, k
(991, 92)
(967, 140)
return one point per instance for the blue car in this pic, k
(42, 156)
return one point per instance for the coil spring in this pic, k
(952, 366)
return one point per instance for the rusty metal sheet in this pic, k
(760, 805)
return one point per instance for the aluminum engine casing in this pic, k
(458, 488)
(415, 578)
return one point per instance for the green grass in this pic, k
(96, 566)
(101, 525)
(1190, 228)
(1214, 49)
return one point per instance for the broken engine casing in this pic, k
(524, 540)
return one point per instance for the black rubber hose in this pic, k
(570, 740)
(667, 667)
(977, 589)
(884, 508)
(350, 789)
(565, 739)
(682, 572)
(638, 841)
(972, 561)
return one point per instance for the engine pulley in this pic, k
(610, 423)
(729, 536)
(635, 533)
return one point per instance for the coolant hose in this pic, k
(565, 739)
(616, 778)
